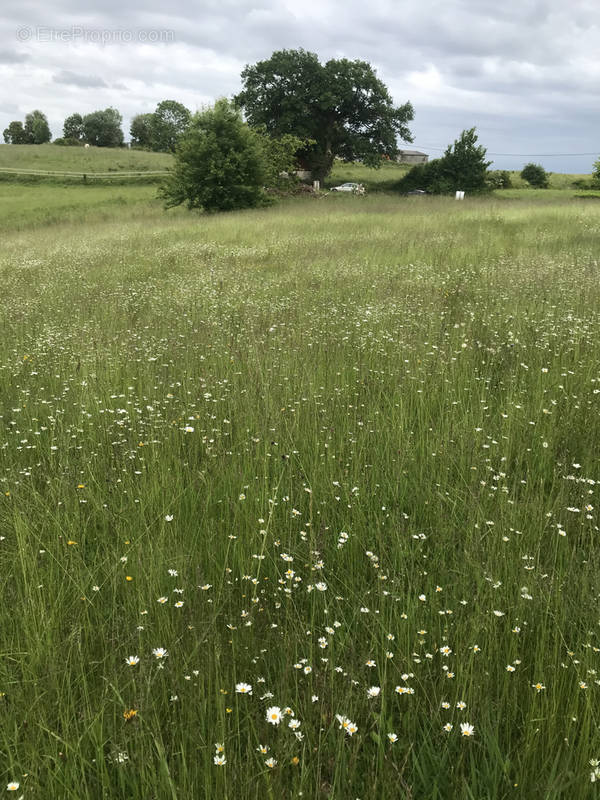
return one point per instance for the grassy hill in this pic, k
(101, 160)
(88, 160)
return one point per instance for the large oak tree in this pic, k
(341, 105)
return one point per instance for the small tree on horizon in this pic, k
(103, 128)
(141, 130)
(73, 127)
(169, 121)
(535, 175)
(15, 133)
(36, 127)
(35, 130)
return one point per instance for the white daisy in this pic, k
(274, 715)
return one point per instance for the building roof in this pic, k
(411, 153)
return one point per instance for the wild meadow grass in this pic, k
(301, 502)
(29, 206)
(48, 157)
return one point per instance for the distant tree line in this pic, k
(100, 128)
(161, 130)
(158, 131)
(35, 130)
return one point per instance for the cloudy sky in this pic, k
(526, 73)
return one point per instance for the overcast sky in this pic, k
(526, 73)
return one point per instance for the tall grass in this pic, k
(340, 445)
(40, 206)
(49, 157)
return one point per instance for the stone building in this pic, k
(411, 157)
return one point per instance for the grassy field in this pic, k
(33, 206)
(50, 157)
(290, 499)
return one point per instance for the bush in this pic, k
(536, 176)
(498, 179)
(589, 183)
(422, 176)
(219, 163)
(67, 141)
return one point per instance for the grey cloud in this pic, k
(80, 80)
(13, 57)
(11, 109)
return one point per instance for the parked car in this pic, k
(416, 192)
(355, 188)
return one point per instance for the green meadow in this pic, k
(51, 157)
(299, 502)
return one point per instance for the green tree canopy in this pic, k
(37, 129)
(464, 164)
(73, 127)
(103, 128)
(341, 106)
(141, 130)
(280, 154)
(219, 163)
(169, 121)
(15, 133)
(535, 175)
(499, 179)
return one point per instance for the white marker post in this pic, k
(460, 196)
